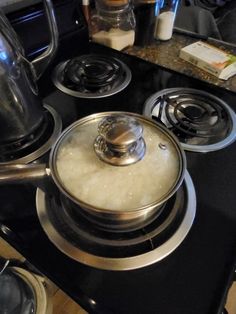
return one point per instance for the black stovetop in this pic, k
(196, 276)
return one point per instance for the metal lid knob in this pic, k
(120, 140)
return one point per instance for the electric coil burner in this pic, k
(94, 246)
(201, 121)
(91, 76)
(35, 144)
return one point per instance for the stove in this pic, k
(183, 261)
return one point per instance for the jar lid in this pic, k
(145, 1)
(117, 161)
(116, 3)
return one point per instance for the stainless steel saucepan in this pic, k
(117, 169)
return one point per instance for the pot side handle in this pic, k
(15, 174)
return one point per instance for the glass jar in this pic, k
(165, 19)
(113, 24)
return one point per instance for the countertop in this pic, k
(166, 54)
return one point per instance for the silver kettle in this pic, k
(21, 110)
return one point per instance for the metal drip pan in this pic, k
(91, 64)
(42, 149)
(201, 121)
(70, 241)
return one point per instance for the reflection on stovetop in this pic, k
(195, 277)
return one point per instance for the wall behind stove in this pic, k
(14, 5)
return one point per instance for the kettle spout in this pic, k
(42, 61)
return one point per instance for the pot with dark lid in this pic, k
(116, 169)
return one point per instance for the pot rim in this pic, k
(100, 210)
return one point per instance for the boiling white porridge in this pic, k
(116, 188)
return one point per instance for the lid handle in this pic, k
(120, 140)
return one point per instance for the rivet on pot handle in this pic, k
(120, 140)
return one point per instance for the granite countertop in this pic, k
(166, 54)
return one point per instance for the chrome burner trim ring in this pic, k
(149, 106)
(119, 264)
(46, 146)
(57, 81)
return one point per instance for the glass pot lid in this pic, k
(117, 161)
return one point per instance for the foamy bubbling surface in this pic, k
(116, 188)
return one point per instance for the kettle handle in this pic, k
(42, 61)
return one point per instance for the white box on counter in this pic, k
(211, 59)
